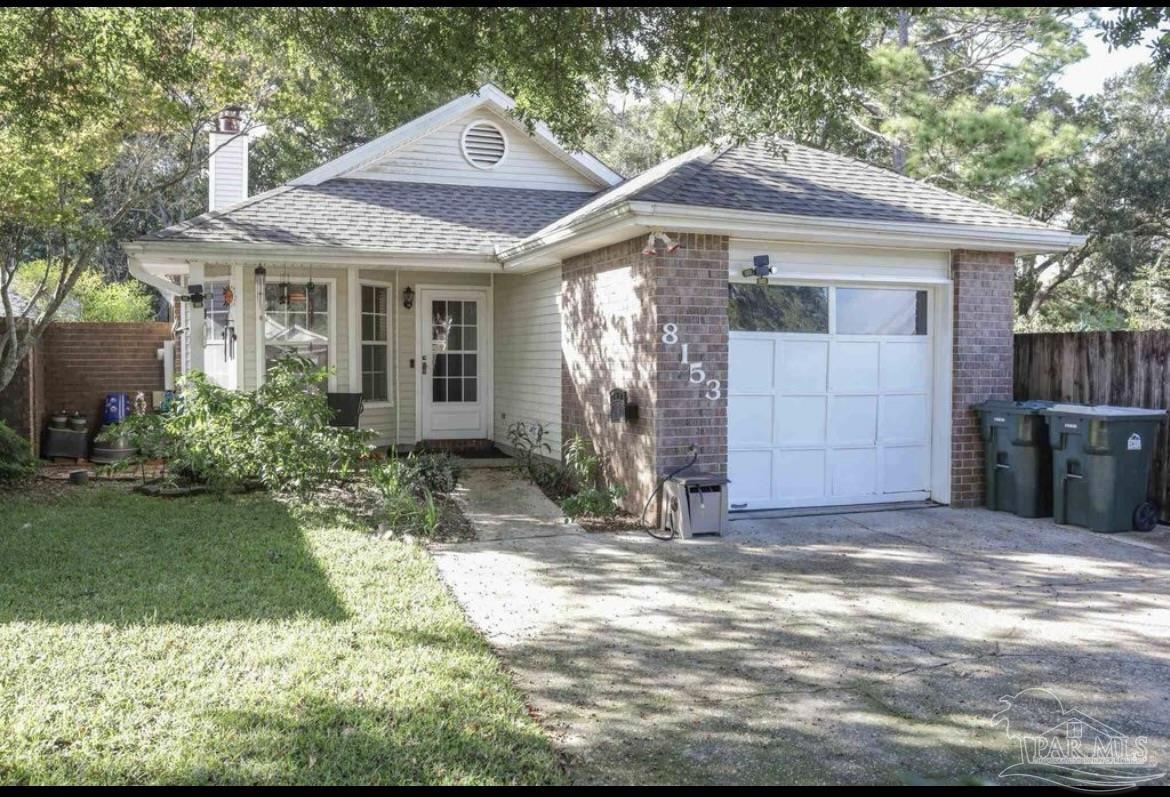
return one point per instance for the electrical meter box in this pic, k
(694, 504)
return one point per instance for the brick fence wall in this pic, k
(982, 366)
(75, 365)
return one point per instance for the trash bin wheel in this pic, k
(1145, 517)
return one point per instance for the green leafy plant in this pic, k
(409, 485)
(594, 501)
(527, 440)
(278, 436)
(16, 460)
(589, 494)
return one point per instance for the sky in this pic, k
(1089, 76)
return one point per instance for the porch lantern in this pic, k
(260, 275)
(408, 297)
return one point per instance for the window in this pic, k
(455, 336)
(375, 344)
(296, 322)
(875, 311)
(778, 308)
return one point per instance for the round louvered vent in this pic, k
(484, 145)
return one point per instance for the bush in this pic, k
(277, 436)
(409, 485)
(16, 460)
(594, 501)
(419, 472)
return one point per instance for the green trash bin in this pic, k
(1101, 459)
(1017, 459)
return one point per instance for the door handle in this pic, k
(424, 364)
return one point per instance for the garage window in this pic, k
(870, 311)
(778, 308)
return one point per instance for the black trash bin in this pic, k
(1101, 457)
(1017, 459)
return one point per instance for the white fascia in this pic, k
(627, 219)
(173, 257)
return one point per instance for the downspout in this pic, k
(394, 366)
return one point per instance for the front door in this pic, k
(453, 343)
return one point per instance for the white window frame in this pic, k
(331, 309)
(358, 378)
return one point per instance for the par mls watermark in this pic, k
(1067, 747)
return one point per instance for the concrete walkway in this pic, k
(862, 648)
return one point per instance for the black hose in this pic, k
(658, 488)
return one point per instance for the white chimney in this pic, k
(228, 166)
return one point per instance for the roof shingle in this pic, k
(380, 215)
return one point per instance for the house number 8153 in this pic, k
(697, 375)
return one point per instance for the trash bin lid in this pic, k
(1033, 407)
(1106, 411)
(699, 478)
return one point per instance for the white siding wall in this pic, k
(438, 158)
(528, 353)
(818, 261)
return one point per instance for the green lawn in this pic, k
(201, 640)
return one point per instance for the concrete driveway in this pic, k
(857, 648)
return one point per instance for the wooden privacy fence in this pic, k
(1127, 369)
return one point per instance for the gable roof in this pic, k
(486, 95)
(381, 216)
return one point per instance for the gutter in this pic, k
(549, 247)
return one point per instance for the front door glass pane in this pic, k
(455, 347)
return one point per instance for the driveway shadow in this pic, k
(860, 649)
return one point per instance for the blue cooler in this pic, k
(117, 408)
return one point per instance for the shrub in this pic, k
(277, 436)
(16, 458)
(594, 502)
(589, 495)
(409, 485)
(419, 472)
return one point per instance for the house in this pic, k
(814, 326)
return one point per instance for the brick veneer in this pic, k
(614, 303)
(85, 361)
(982, 367)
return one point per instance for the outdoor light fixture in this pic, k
(408, 297)
(194, 295)
(260, 275)
(760, 269)
(651, 248)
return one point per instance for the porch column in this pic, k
(194, 322)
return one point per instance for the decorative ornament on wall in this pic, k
(713, 388)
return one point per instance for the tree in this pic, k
(103, 111)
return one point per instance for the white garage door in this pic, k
(829, 395)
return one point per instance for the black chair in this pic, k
(347, 408)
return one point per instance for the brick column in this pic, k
(982, 366)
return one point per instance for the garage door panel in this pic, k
(833, 417)
(751, 474)
(905, 366)
(800, 420)
(854, 366)
(803, 365)
(853, 471)
(800, 475)
(853, 420)
(751, 364)
(750, 421)
(905, 469)
(904, 419)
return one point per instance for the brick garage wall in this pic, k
(614, 303)
(608, 321)
(85, 361)
(690, 290)
(982, 368)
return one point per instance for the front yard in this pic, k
(208, 640)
